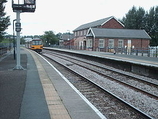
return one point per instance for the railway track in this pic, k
(144, 86)
(69, 62)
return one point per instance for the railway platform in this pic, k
(143, 60)
(142, 65)
(39, 91)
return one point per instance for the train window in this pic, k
(36, 42)
(40, 42)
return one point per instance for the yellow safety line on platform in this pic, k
(56, 108)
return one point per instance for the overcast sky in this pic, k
(66, 15)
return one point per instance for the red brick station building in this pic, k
(106, 35)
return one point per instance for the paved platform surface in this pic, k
(21, 93)
(11, 87)
(38, 92)
(144, 60)
(73, 102)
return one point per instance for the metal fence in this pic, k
(149, 52)
(4, 47)
(154, 51)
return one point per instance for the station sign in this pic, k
(18, 27)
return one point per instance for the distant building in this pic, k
(81, 32)
(65, 38)
(28, 39)
(107, 40)
(108, 33)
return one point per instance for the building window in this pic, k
(101, 43)
(111, 43)
(75, 34)
(80, 33)
(89, 43)
(85, 32)
(120, 43)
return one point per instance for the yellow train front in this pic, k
(37, 45)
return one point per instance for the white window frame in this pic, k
(101, 43)
(89, 43)
(85, 32)
(81, 33)
(111, 43)
(120, 43)
(75, 33)
(78, 33)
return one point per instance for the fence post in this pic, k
(156, 51)
(148, 50)
(126, 50)
(121, 50)
(0, 51)
(142, 51)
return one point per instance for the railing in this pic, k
(148, 52)
(3, 50)
(154, 51)
(4, 47)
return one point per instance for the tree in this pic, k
(139, 19)
(49, 38)
(22, 41)
(151, 25)
(4, 20)
(134, 19)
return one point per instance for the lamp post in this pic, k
(69, 40)
(27, 6)
(14, 38)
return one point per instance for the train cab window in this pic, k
(36, 42)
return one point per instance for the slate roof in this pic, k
(118, 33)
(94, 23)
(66, 36)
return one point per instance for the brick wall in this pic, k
(137, 43)
(113, 23)
(140, 43)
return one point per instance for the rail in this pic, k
(116, 97)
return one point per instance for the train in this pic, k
(34, 44)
